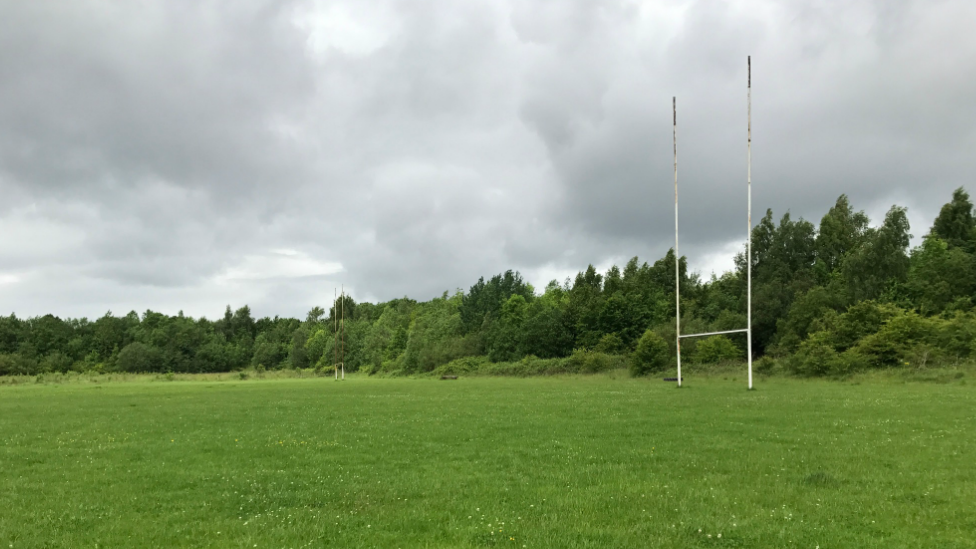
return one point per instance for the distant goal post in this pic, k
(677, 257)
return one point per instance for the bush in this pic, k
(269, 353)
(466, 365)
(17, 365)
(580, 362)
(814, 356)
(958, 335)
(651, 355)
(528, 366)
(764, 366)
(847, 363)
(216, 356)
(892, 344)
(583, 361)
(860, 320)
(139, 357)
(610, 344)
(817, 357)
(56, 361)
(717, 349)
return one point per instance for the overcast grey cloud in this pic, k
(180, 155)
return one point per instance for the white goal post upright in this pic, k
(342, 329)
(335, 332)
(339, 334)
(749, 208)
(677, 257)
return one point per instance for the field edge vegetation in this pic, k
(831, 300)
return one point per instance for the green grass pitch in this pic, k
(598, 462)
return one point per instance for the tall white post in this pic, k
(335, 332)
(342, 323)
(677, 256)
(749, 241)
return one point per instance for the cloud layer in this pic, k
(185, 155)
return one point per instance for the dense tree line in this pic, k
(827, 299)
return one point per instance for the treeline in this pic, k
(828, 299)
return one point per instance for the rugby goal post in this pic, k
(677, 257)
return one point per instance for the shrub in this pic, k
(651, 355)
(764, 366)
(717, 349)
(860, 320)
(583, 361)
(268, 353)
(958, 335)
(610, 344)
(817, 357)
(139, 357)
(17, 365)
(814, 356)
(892, 344)
(847, 363)
(466, 365)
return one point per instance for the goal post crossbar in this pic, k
(742, 331)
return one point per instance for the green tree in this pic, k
(485, 299)
(435, 335)
(316, 346)
(315, 315)
(956, 224)
(269, 352)
(802, 314)
(841, 231)
(650, 356)
(343, 310)
(545, 333)
(938, 275)
(882, 260)
(297, 355)
(504, 336)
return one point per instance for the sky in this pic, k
(186, 155)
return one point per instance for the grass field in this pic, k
(601, 461)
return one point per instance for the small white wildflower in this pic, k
(720, 535)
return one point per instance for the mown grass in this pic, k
(598, 461)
